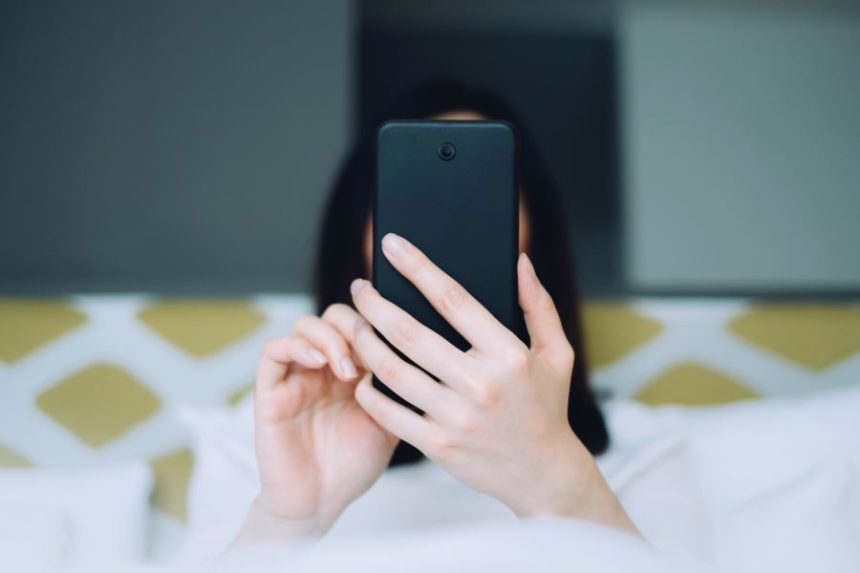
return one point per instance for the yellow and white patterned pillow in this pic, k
(700, 352)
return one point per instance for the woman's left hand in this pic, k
(497, 418)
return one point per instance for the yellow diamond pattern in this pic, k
(613, 330)
(693, 384)
(814, 335)
(99, 403)
(202, 327)
(9, 458)
(237, 395)
(28, 324)
(172, 473)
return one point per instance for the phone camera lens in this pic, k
(447, 151)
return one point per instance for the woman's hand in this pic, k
(497, 418)
(317, 449)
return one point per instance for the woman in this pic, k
(517, 422)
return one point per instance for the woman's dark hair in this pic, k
(340, 257)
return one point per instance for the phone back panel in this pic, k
(462, 212)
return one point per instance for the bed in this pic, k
(125, 434)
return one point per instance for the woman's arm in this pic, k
(497, 417)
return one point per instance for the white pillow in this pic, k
(74, 516)
(806, 525)
(742, 451)
(33, 536)
(779, 482)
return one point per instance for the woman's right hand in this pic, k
(317, 449)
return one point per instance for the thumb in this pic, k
(541, 317)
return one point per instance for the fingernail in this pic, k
(394, 246)
(347, 367)
(316, 356)
(359, 388)
(529, 266)
(357, 285)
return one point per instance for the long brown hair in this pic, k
(340, 255)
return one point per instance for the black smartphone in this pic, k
(450, 188)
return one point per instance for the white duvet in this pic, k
(768, 485)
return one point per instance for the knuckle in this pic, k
(418, 264)
(270, 347)
(464, 422)
(360, 329)
(388, 370)
(566, 354)
(304, 322)
(335, 310)
(516, 360)
(453, 297)
(442, 444)
(404, 333)
(485, 394)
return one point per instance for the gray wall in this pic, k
(742, 132)
(186, 146)
(173, 146)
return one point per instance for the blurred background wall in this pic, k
(742, 140)
(169, 146)
(186, 147)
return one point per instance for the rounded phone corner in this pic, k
(507, 126)
(390, 125)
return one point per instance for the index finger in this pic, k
(278, 354)
(459, 308)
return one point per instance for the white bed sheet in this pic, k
(763, 485)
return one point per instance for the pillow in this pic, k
(740, 452)
(806, 525)
(779, 480)
(84, 516)
(33, 536)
